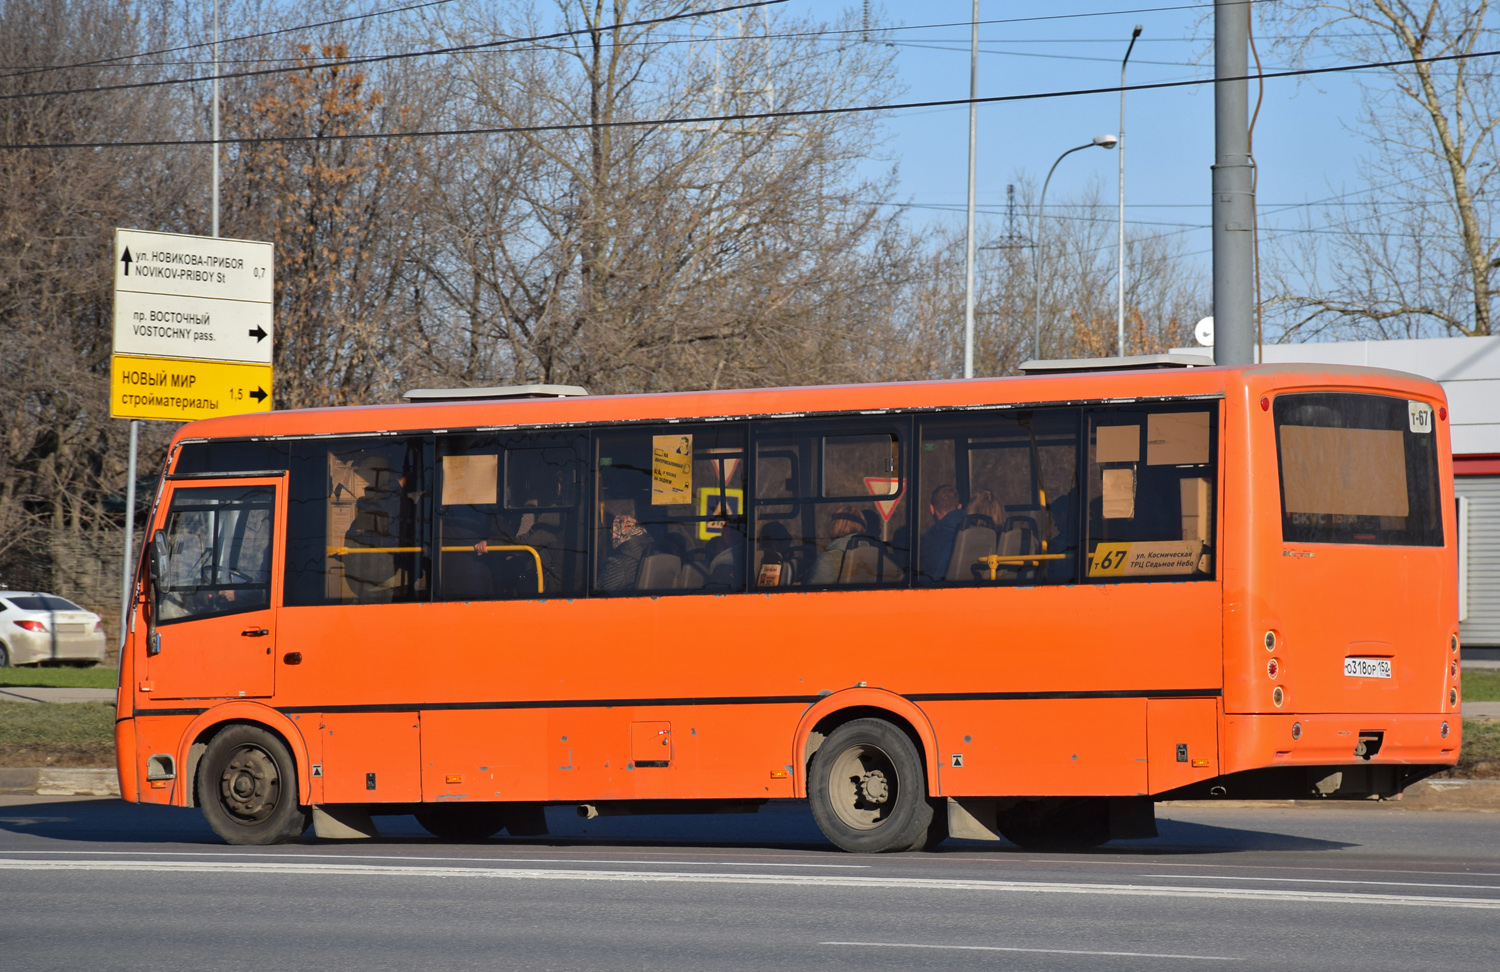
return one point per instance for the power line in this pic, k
(107, 61)
(381, 58)
(759, 115)
(645, 42)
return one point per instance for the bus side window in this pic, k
(998, 501)
(1151, 475)
(356, 525)
(830, 506)
(670, 515)
(542, 497)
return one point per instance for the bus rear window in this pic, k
(1357, 469)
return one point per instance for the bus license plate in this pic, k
(1367, 667)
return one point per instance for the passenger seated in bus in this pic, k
(380, 513)
(467, 576)
(847, 524)
(629, 543)
(773, 556)
(937, 543)
(984, 510)
(726, 558)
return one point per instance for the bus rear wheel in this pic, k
(868, 789)
(247, 787)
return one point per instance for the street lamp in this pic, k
(1102, 141)
(1120, 316)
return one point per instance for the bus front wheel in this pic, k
(247, 787)
(868, 789)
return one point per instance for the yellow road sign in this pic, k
(182, 390)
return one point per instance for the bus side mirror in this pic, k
(156, 562)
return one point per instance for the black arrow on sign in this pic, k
(259, 394)
(259, 334)
(126, 260)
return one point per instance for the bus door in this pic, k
(214, 590)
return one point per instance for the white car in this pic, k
(37, 627)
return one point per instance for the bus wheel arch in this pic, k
(241, 789)
(208, 725)
(833, 711)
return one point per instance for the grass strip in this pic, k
(1481, 685)
(57, 734)
(62, 676)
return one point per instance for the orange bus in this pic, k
(1023, 607)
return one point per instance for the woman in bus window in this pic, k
(847, 524)
(629, 543)
(984, 510)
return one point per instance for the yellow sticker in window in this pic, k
(722, 504)
(1145, 558)
(671, 469)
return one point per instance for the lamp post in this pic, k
(969, 246)
(1101, 141)
(1120, 311)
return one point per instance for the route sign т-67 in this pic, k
(192, 326)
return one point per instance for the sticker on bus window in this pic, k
(719, 503)
(470, 480)
(1118, 493)
(671, 470)
(1177, 439)
(1146, 558)
(1117, 443)
(1419, 416)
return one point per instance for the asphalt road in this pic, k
(97, 884)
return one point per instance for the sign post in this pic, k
(192, 338)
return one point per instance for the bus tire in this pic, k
(461, 822)
(868, 789)
(247, 787)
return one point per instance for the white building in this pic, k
(1469, 371)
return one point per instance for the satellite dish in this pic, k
(1203, 332)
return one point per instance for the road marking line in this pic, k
(292, 855)
(785, 880)
(1297, 880)
(1044, 951)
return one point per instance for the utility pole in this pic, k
(1233, 198)
(1120, 306)
(969, 245)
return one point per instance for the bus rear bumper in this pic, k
(1338, 738)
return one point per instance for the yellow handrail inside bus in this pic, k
(540, 582)
(993, 561)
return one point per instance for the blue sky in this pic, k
(1303, 143)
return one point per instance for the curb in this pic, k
(59, 782)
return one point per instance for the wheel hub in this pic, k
(874, 788)
(250, 785)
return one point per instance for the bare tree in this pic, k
(62, 462)
(1164, 296)
(1417, 255)
(607, 242)
(340, 213)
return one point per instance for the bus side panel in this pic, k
(1182, 737)
(371, 757)
(709, 752)
(1042, 747)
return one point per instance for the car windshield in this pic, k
(43, 602)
